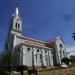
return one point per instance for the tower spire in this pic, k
(16, 11)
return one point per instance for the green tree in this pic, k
(65, 60)
(8, 59)
(21, 68)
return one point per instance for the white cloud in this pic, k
(71, 50)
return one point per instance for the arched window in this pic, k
(60, 54)
(46, 58)
(45, 51)
(40, 56)
(28, 49)
(51, 52)
(63, 53)
(37, 50)
(36, 56)
(16, 25)
(18, 50)
(60, 45)
(17, 19)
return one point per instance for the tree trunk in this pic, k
(21, 71)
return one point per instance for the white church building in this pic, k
(32, 52)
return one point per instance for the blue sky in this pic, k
(42, 19)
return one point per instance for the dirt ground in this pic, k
(67, 71)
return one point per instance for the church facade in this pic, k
(32, 52)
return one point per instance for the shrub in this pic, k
(3, 71)
(65, 60)
(18, 68)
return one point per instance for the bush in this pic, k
(65, 60)
(3, 71)
(18, 68)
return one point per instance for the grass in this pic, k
(72, 65)
(49, 69)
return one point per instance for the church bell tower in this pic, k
(16, 23)
(15, 29)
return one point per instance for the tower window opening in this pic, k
(16, 25)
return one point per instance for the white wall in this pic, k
(58, 48)
(26, 56)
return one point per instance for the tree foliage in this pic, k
(65, 60)
(8, 60)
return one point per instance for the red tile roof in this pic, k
(32, 41)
